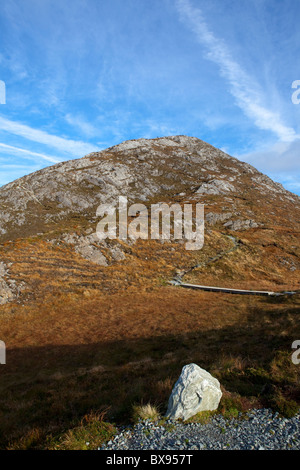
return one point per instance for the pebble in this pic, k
(259, 429)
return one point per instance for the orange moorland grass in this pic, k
(82, 337)
(70, 355)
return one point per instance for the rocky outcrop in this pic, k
(196, 390)
(241, 224)
(213, 218)
(9, 289)
(216, 186)
(92, 249)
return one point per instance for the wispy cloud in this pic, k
(69, 146)
(244, 88)
(82, 125)
(282, 157)
(29, 153)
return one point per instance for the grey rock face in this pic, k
(90, 248)
(87, 247)
(213, 218)
(9, 290)
(196, 390)
(215, 187)
(241, 224)
(6, 294)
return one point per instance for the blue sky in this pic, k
(83, 75)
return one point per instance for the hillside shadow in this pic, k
(53, 387)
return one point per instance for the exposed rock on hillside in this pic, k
(9, 289)
(91, 248)
(241, 224)
(216, 187)
(141, 170)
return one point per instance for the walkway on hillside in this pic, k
(177, 280)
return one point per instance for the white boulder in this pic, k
(196, 390)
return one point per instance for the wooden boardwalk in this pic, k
(232, 291)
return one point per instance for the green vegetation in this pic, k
(92, 433)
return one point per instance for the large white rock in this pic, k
(195, 390)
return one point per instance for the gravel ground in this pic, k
(258, 430)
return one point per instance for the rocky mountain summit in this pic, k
(57, 205)
(142, 170)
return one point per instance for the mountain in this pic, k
(58, 205)
(92, 323)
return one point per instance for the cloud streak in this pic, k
(81, 124)
(29, 153)
(243, 88)
(72, 147)
(282, 157)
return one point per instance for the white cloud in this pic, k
(75, 148)
(29, 153)
(244, 88)
(282, 157)
(81, 124)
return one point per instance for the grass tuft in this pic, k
(144, 412)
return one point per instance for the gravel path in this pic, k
(259, 430)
